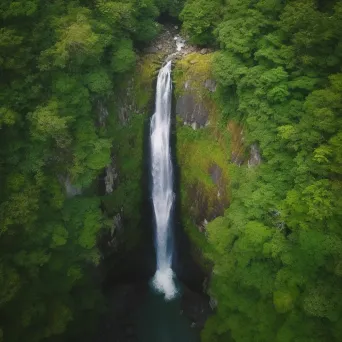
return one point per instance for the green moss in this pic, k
(127, 197)
(199, 245)
(145, 75)
(196, 69)
(198, 151)
(190, 75)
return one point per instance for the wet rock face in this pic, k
(192, 111)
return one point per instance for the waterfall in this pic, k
(162, 181)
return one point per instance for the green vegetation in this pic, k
(170, 7)
(199, 152)
(196, 69)
(277, 252)
(127, 133)
(59, 60)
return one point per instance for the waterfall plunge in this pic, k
(162, 179)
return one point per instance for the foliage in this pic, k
(58, 61)
(199, 18)
(171, 7)
(277, 250)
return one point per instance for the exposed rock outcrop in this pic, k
(194, 86)
(193, 112)
(255, 158)
(111, 176)
(203, 153)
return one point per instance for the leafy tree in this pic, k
(277, 250)
(58, 60)
(199, 18)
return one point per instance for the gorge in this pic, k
(170, 170)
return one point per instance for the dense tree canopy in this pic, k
(277, 252)
(57, 60)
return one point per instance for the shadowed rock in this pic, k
(191, 110)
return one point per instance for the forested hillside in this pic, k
(60, 61)
(277, 252)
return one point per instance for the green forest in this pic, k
(276, 253)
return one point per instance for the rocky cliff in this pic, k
(201, 147)
(207, 145)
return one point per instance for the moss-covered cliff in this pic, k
(128, 112)
(202, 147)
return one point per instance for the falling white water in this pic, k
(162, 180)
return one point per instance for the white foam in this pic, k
(180, 42)
(163, 283)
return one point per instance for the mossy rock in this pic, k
(145, 75)
(194, 90)
(196, 69)
(203, 154)
(205, 187)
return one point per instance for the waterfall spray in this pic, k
(162, 181)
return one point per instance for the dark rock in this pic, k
(207, 206)
(117, 322)
(191, 110)
(215, 173)
(151, 49)
(196, 307)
